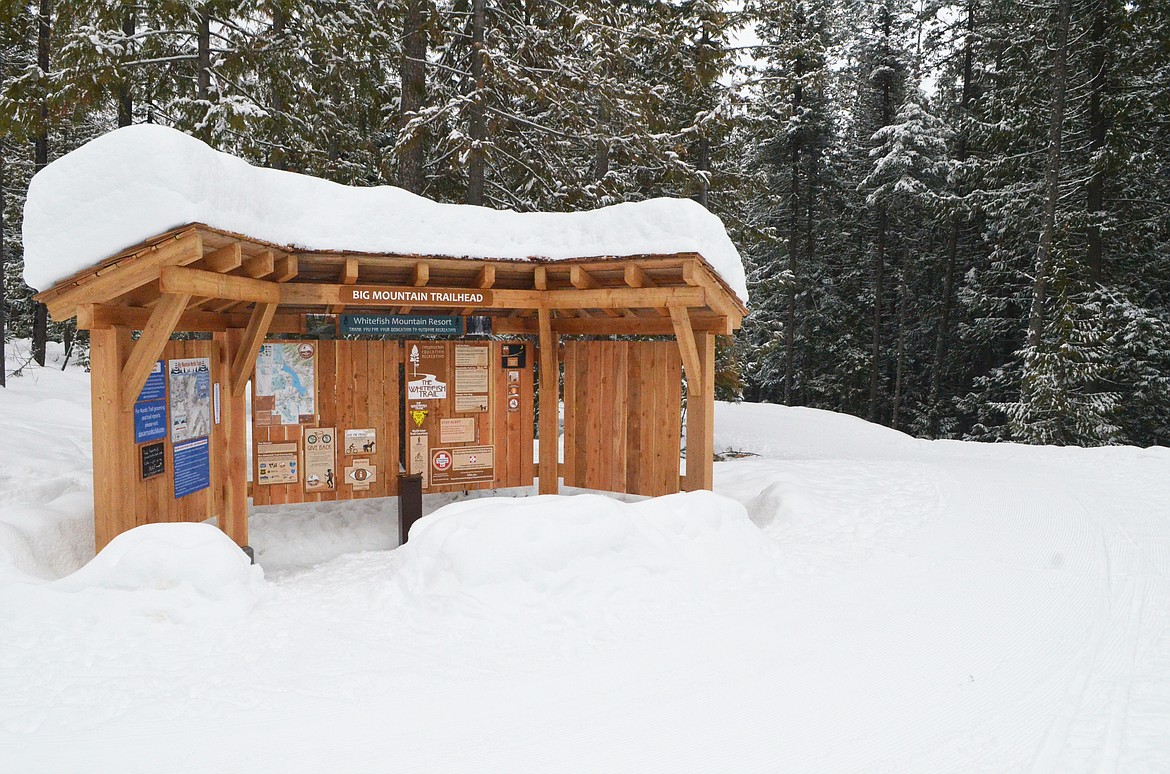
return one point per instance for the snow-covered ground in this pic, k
(851, 600)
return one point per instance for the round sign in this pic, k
(305, 351)
(513, 403)
(361, 474)
(441, 460)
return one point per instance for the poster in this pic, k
(471, 380)
(361, 441)
(192, 466)
(276, 463)
(320, 459)
(285, 386)
(426, 370)
(190, 398)
(472, 355)
(457, 431)
(471, 403)
(156, 384)
(461, 465)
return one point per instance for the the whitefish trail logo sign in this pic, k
(428, 371)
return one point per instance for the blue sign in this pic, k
(192, 466)
(156, 384)
(402, 325)
(150, 421)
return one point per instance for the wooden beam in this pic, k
(125, 275)
(284, 268)
(636, 278)
(95, 317)
(313, 294)
(245, 359)
(583, 280)
(150, 345)
(421, 276)
(175, 279)
(231, 444)
(549, 404)
(224, 259)
(485, 279)
(696, 274)
(690, 353)
(114, 463)
(701, 419)
(260, 265)
(349, 276)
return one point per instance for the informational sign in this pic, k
(361, 474)
(150, 421)
(215, 401)
(513, 388)
(418, 455)
(359, 295)
(418, 412)
(426, 371)
(192, 466)
(156, 384)
(363, 440)
(471, 377)
(401, 325)
(276, 463)
(154, 460)
(190, 382)
(285, 387)
(461, 465)
(320, 459)
(460, 430)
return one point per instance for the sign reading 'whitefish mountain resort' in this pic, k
(373, 295)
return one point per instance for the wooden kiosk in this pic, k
(170, 441)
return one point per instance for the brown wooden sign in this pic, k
(375, 295)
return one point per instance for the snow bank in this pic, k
(584, 552)
(139, 181)
(182, 573)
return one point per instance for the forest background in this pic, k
(955, 215)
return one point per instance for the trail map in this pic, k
(286, 373)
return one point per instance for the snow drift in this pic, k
(584, 552)
(139, 181)
(182, 573)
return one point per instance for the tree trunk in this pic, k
(203, 76)
(478, 128)
(414, 92)
(879, 268)
(125, 94)
(1051, 173)
(900, 367)
(1098, 126)
(278, 159)
(793, 230)
(942, 339)
(40, 327)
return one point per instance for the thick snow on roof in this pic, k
(139, 181)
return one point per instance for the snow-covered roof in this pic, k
(139, 181)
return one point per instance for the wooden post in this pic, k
(114, 465)
(231, 452)
(701, 418)
(549, 405)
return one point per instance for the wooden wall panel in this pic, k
(357, 387)
(622, 416)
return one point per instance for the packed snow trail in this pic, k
(908, 607)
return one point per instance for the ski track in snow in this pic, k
(937, 608)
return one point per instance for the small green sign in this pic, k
(401, 325)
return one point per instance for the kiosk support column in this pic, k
(701, 417)
(232, 451)
(549, 404)
(113, 436)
